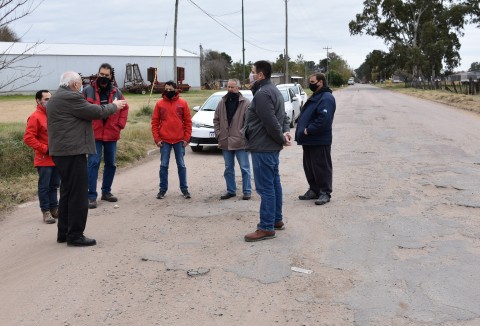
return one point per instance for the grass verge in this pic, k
(460, 101)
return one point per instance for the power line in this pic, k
(228, 29)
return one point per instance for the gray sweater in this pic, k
(266, 120)
(69, 123)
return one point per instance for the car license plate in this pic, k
(212, 134)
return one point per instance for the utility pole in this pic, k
(175, 43)
(286, 43)
(326, 75)
(243, 51)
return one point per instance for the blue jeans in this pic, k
(268, 186)
(109, 156)
(179, 151)
(48, 183)
(229, 174)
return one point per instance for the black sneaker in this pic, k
(186, 194)
(227, 195)
(92, 203)
(161, 194)
(109, 197)
(310, 194)
(322, 199)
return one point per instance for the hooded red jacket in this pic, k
(36, 137)
(171, 120)
(108, 130)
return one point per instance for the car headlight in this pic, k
(197, 124)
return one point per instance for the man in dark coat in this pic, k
(70, 139)
(314, 133)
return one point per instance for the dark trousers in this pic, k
(73, 204)
(317, 164)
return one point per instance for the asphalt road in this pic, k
(399, 244)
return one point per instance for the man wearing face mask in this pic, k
(70, 139)
(267, 130)
(314, 133)
(172, 128)
(107, 132)
(228, 122)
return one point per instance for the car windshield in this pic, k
(212, 102)
(284, 94)
(295, 89)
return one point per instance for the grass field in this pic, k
(18, 177)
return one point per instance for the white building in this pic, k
(44, 63)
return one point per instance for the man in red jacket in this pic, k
(107, 132)
(172, 128)
(36, 137)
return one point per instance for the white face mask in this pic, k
(251, 78)
(81, 89)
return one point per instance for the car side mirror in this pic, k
(196, 108)
(294, 98)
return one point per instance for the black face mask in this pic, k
(313, 87)
(170, 94)
(103, 81)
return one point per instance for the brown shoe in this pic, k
(47, 217)
(54, 212)
(279, 225)
(259, 235)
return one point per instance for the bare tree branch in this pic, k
(15, 69)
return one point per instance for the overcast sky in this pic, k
(312, 26)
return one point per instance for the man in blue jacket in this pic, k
(314, 133)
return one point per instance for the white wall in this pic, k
(52, 66)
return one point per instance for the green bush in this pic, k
(16, 158)
(145, 110)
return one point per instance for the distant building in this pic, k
(465, 76)
(279, 78)
(54, 59)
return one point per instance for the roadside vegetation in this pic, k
(461, 101)
(18, 177)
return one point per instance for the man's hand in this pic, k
(288, 138)
(185, 143)
(120, 104)
(305, 131)
(160, 144)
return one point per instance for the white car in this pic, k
(299, 92)
(351, 81)
(203, 133)
(292, 103)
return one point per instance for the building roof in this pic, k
(91, 50)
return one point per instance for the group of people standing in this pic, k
(80, 124)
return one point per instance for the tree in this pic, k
(8, 35)
(338, 68)
(215, 66)
(422, 34)
(16, 74)
(475, 66)
(236, 71)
